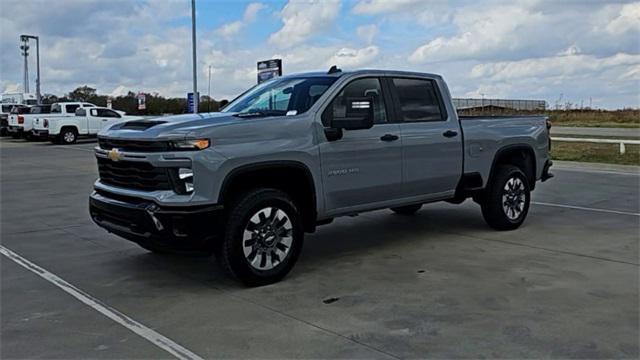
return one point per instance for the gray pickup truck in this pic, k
(297, 151)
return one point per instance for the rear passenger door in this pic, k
(363, 167)
(431, 138)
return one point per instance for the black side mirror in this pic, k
(359, 115)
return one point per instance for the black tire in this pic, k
(508, 213)
(407, 210)
(68, 136)
(230, 250)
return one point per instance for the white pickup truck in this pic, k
(20, 124)
(87, 121)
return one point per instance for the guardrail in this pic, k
(621, 142)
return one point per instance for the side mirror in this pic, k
(359, 115)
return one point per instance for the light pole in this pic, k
(209, 92)
(25, 39)
(193, 45)
(25, 53)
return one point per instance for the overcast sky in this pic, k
(585, 51)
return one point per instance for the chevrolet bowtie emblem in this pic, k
(114, 155)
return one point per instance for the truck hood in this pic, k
(168, 127)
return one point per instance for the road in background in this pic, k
(438, 284)
(595, 131)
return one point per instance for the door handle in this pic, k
(450, 133)
(389, 137)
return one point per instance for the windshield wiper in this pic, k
(257, 113)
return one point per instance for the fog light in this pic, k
(186, 176)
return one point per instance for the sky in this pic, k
(583, 52)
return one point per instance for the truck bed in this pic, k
(485, 135)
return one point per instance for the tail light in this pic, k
(20, 119)
(45, 122)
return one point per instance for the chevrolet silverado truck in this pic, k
(295, 152)
(87, 122)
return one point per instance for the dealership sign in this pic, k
(190, 102)
(269, 69)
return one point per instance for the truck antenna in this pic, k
(334, 69)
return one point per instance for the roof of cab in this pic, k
(377, 72)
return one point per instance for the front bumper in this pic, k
(166, 228)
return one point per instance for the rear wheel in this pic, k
(506, 202)
(407, 210)
(263, 237)
(68, 136)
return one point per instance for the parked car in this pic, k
(86, 122)
(23, 124)
(295, 152)
(4, 118)
(16, 120)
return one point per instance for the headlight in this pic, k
(197, 144)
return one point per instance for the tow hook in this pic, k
(151, 209)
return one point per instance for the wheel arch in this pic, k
(520, 155)
(292, 177)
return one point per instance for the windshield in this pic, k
(288, 96)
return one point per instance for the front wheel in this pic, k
(506, 202)
(263, 237)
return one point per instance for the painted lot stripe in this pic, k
(586, 208)
(157, 339)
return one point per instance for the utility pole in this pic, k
(25, 48)
(209, 91)
(193, 44)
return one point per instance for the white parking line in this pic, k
(157, 339)
(586, 208)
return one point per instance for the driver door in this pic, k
(363, 168)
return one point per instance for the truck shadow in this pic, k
(345, 241)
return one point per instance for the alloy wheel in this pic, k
(513, 198)
(267, 238)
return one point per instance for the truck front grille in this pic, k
(134, 175)
(133, 145)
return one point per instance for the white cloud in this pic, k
(353, 58)
(367, 32)
(303, 19)
(563, 65)
(481, 34)
(521, 30)
(250, 13)
(627, 20)
(376, 7)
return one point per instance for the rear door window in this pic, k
(72, 108)
(107, 113)
(418, 100)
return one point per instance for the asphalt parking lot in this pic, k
(439, 284)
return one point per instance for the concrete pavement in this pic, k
(438, 284)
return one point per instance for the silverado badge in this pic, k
(114, 154)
